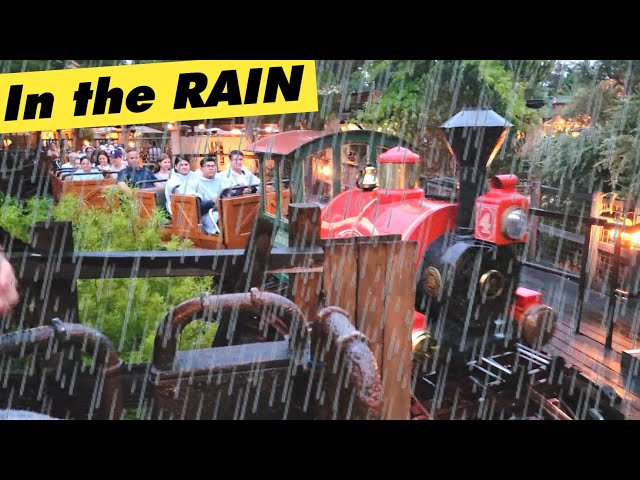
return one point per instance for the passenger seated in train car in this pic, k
(200, 171)
(208, 190)
(103, 162)
(117, 164)
(237, 175)
(182, 180)
(72, 161)
(134, 173)
(90, 152)
(163, 173)
(86, 171)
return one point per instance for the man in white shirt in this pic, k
(72, 161)
(182, 181)
(237, 175)
(68, 168)
(209, 188)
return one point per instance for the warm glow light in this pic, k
(326, 170)
(7, 142)
(495, 150)
(131, 143)
(202, 126)
(571, 126)
(86, 143)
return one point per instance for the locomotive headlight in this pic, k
(514, 223)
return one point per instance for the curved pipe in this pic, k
(358, 360)
(278, 311)
(89, 340)
(25, 341)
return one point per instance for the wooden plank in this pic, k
(304, 225)
(304, 232)
(371, 292)
(585, 354)
(399, 296)
(340, 274)
(630, 402)
(583, 349)
(152, 264)
(596, 337)
(597, 333)
(306, 292)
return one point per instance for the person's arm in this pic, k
(8, 291)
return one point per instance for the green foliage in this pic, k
(127, 310)
(418, 96)
(571, 162)
(16, 217)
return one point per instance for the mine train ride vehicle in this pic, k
(467, 293)
(468, 273)
(475, 329)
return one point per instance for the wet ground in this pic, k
(561, 294)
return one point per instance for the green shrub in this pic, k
(17, 217)
(127, 310)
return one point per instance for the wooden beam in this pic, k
(399, 297)
(340, 275)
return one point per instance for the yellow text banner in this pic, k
(155, 92)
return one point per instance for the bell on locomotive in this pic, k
(468, 283)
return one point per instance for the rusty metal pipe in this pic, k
(89, 341)
(25, 340)
(358, 360)
(280, 312)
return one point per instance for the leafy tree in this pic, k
(419, 96)
(605, 157)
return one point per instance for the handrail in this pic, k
(143, 182)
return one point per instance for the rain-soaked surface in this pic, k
(379, 271)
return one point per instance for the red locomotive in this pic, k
(469, 250)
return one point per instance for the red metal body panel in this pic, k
(526, 298)
(408, 213)
(490, 209)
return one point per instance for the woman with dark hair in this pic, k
(164, 167)
(103, 161)
(163, 173)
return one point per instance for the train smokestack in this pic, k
(474, 137)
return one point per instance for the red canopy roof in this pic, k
(284, 143)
